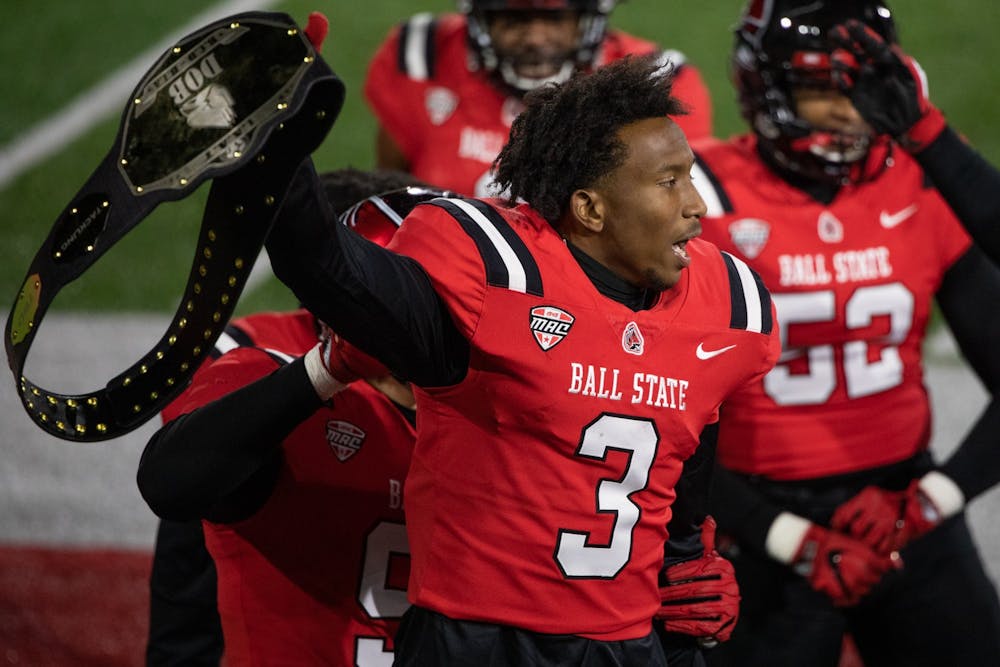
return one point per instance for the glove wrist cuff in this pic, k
(785, 536)
(322, 381)
(943, 493)
(924, 131)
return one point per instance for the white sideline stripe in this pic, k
(56, 132)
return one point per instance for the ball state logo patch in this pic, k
(549, 325)
(345, 438)
(632, 340)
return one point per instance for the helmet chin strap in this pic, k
(526, 83)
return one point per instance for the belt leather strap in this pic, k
(242, 101)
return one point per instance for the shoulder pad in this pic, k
(416, 46)
(749, 299)
(710, 188)
(509, 264)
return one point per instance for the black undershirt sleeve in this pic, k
(967, 299)
(382, 302)
(969, 184)
(220, 462)
(740, 510)
(691, 505)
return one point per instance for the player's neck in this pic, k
(610, 284)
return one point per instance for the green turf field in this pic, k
(47, 57)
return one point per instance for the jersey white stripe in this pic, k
(703, 184)
(416, 46)
(750, 294)
(281, 355)
(386, 209)
(515, 270)
(225, 343)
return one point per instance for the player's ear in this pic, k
(587, 208)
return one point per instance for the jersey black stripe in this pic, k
(429, 49)
(727, 206)
(533, 277)
(765, 304)
(497, 274)
(740, 317)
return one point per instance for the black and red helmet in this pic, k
(592, 27)
(378, 217)
(780, 45)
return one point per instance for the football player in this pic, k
(567, 361)
(242, 484)
(445, 89)
(855, 244)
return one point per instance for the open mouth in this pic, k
(680, 251)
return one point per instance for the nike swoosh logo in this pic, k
(704, 354)
(890, 220)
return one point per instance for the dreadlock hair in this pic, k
(567, 136)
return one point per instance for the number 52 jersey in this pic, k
(540, 485)
(853, 282)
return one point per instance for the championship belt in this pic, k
(242, 101)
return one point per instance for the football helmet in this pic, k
(781, 45)
(592, 27)
(378, 217)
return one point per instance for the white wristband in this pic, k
(785, 536)
(947, 498)
(325, 384)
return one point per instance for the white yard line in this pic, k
(107, 97)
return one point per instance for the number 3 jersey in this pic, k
(541, 484)
(318, 574)
(853, 282)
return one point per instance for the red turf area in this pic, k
(73, 607)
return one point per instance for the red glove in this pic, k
(887, 520)
(886, 86)
(316, 29)
(701, 597)
(840, 566)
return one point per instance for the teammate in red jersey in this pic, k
(300, 579)
(855, 244)
(445, 89)
(567, 364)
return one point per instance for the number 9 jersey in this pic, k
(853, 283)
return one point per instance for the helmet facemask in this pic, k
(508, 68)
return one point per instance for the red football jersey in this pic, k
(451, 122)
(318, 575)
(541, 484)
(853, 283)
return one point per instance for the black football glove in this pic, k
(886, 86)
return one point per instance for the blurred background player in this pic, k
(445, 89)
(844, 228)
(184, 627)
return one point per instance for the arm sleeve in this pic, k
(381, 302)
(740, 510)
(220, 461)
(691, 505)
(968, 284)
(969, 184)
